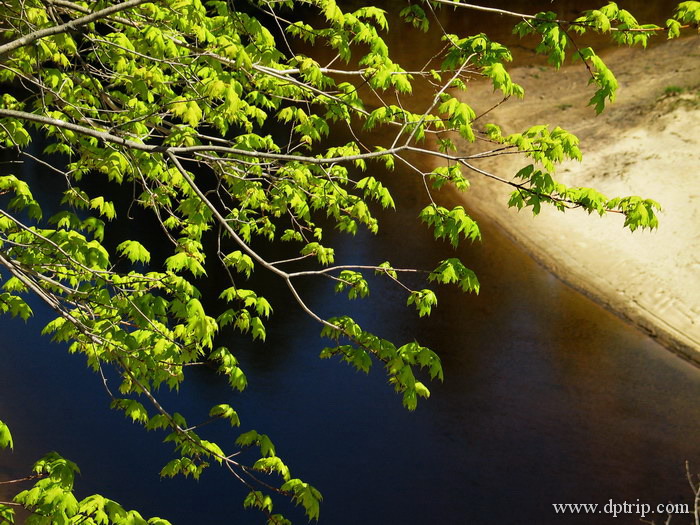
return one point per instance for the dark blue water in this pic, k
(547, 399)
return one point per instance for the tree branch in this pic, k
(68, 26)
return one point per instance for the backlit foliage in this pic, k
(218, 117)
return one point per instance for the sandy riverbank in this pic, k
(647, 143)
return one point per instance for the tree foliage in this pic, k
(218, 116)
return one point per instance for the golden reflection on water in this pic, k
(546, 394)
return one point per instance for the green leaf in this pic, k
(134, 251)
(184, 260)
(453, 271)
(258, 500)
(424, 300)
(306, 496)
(273, 464)
(267, 449)
(673, 27)
(323, 254)
(7, 514)
(240, 261)
(355, 282)
(226, 412)
(132, 409)
(451, 224)
(5, 436)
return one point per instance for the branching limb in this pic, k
(68, 26)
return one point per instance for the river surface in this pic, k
(547, 398)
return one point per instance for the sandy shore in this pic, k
(647, 143)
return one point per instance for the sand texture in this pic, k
(647, 143)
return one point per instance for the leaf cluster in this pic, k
(229, 129)
(51, 499)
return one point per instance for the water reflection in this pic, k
(547, 399)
